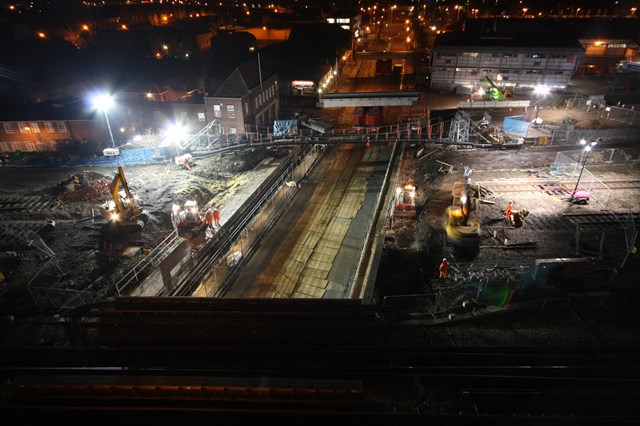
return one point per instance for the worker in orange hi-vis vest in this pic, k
(209, 218)
(216, 216)
(507, 213)
(443, 269)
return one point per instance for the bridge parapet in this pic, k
(364, 99)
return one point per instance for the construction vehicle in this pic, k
(463, 229)
(188, 218)
(581, 196)
(184, 161)
(495, 93)
(405, 201)
(123, 213)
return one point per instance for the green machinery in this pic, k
(495, 93)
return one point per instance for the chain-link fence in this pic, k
(615, 113)
(574, 136)
(573, 166)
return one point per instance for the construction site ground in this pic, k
(413, 248)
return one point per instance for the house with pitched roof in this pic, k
(246, 102)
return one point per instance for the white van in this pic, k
(111, 152)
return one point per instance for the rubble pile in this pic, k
(86, 186)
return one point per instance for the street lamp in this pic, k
(103, 103)
(585, 153)
(539, 91)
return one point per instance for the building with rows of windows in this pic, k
(512, 57)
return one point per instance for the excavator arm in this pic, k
(121, 207)
(496, 93)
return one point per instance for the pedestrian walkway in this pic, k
(239, 194)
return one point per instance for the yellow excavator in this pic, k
(463, 228)
(123, 214)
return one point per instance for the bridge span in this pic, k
(374, 56)
(312, 229)
(367, 99)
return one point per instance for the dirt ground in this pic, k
(415, 246)
(70, 197)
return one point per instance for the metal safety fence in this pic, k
(616, 113)
(573, 136)
(572, 166)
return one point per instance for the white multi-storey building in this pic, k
(518, 62)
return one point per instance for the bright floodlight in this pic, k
(542, 90)
(176, 133)
(102, 102)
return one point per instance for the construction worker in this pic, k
(209, 218)
(186, 164)
(216, 216)
(468, 173)
(507, 213)
(443, 269)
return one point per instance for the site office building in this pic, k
(514, 55)
(246, 102)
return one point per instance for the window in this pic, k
(8, 128)
(42, 146)
(256, 102)
(34, 127)
(156, 115)
(509, 55)
(558, 55)
(231, 112)
(23, 127)
(201, 116)
(217, 112)
(233, 130)
(536, 55)
(616, 45)
(246, 108)
(61, 127)
(470, 54)
(184, 115)
(48, 127)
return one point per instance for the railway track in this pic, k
(595, 222)
(555, 187)
(211, 253)
(236, 359)
(15, 207)
(555, 384)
